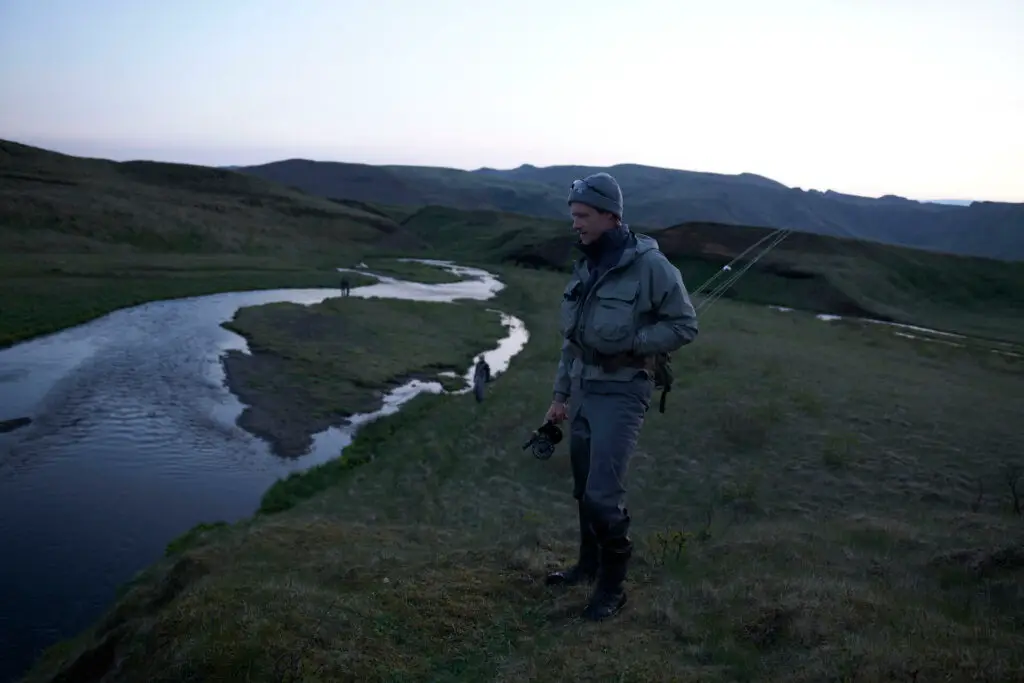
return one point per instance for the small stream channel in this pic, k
(925, 334)
(133, 441)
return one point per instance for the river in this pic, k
(133, 441)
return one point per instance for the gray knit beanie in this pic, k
(600, 191)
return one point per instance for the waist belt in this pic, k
(618, 361)
(613, 362)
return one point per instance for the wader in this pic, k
(604, 420)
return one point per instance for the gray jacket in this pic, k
(640, 306)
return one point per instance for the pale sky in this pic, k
(921, 98)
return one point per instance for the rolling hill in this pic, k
(55, 203)
(970, 295)
(659, 197)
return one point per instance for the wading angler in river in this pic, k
(624, 310)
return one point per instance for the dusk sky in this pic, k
(921, 99)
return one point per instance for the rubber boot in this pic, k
(586, 567)
(609, 596)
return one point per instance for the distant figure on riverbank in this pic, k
(345, 286)
(481, 376)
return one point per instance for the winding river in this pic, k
(133, 441)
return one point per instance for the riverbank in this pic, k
(408, 270)
(137, 400)
(44, 293)
(818, 502)
(310, 367)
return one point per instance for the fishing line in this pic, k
(746, 251)
(715, 294)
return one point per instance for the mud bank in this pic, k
(289, 421)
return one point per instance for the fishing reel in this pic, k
(543, 440)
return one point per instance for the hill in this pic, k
(54, 203)
(120, 234)
(659, 197)
(969, 295)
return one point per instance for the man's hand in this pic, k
(558, 412)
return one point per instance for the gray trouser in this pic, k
(605, 420)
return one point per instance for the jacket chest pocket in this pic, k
(613, 313)
(570, 305)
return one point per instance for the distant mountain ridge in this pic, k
(660, 197)
(951, 202)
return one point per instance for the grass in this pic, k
(973, 296)
(81, 237)
(807, 509)
(126, 218)
(53, 202)
(312, 366)
(822, 501)
(659, 197)
(411, 271)
(44, 293)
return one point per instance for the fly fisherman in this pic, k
(625, 303)
(481, 376)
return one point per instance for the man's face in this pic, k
(588, 222)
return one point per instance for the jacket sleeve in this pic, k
(675, 321)
(563, 385)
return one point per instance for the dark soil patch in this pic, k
(289, 420)
(283, 420)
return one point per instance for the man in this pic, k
(481, 376)
(624, 304)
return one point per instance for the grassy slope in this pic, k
(106, 228)
(811, 272)
(118, 234)
(973, 296)
(411, 185)
(806, 510)
(54, 202)
(312, 366)
(40, 294)
(661, 197)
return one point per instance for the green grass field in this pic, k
(819, 502)
(822, 501)
(43, 293)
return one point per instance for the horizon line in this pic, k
(946, 201)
